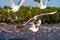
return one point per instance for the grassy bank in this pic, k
(29, 12)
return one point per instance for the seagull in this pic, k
(41, 5)
(34, 27)
(38, 16)
(15, 7)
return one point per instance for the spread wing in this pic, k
(11, 3)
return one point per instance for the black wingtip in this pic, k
(48, 0)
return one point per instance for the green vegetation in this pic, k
(29, 12)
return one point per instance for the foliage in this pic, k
(29, 12)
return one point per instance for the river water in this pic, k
(46, 32)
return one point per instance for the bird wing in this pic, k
(20, 3)
(37, 0)
(37, 16)
(28, 21)
(11, 3)
(45, 2)
(48, 13)
(41, 3)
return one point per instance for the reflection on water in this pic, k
(46, 32)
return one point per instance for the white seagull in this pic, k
(34, 27)
(15, 7)
(41, 5)
(38, 16)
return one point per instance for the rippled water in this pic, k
(46, 32)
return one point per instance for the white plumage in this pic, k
(41, 5)
(37, 17)
(34, 27)
(14, 7)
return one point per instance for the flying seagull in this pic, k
(34, 27)
(41, 4)
(15, 7)
(38, 16)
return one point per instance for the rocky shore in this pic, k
(18, 31)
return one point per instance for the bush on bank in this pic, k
(29, 12)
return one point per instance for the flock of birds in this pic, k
(15, 8)
(34, 27)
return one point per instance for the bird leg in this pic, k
(41, 11)
(15, 15)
